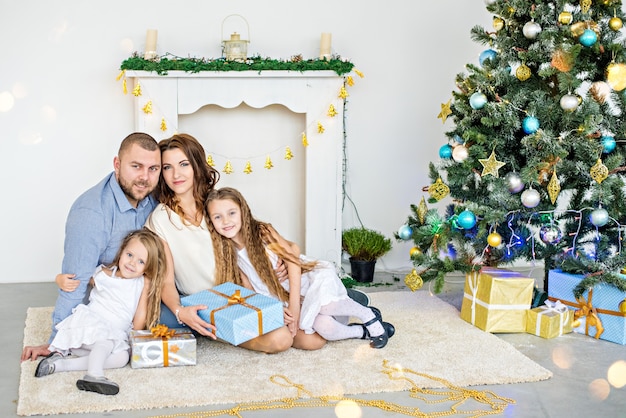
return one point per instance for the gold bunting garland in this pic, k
(150, 108)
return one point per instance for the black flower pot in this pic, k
(362, 271)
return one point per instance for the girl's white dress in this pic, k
(108, 316)
(319, 286)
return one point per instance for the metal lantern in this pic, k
(235, 48)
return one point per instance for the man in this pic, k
(100, 218)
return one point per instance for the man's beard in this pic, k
(127, 188)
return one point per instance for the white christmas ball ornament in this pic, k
(599, 217)
(460, 153)
(530, 198)
(531, 29)
(569, 102)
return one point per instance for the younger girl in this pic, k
(125, 295)
(314, 295)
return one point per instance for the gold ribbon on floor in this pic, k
(454, 394)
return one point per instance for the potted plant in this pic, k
(364, 246)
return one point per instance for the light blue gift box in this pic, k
(238, 313)
(605, 298)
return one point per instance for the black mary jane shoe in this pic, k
(391, 330)
(378, 341)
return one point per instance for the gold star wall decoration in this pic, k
(445, 111)
(491, 165)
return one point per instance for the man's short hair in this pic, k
(142, 139)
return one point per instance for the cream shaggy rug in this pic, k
(430, 338)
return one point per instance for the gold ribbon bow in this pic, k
(587, 310)
(237, 299)
(162, 331)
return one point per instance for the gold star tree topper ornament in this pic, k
(491, 165)
(445, 111)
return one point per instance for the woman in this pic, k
(186, 180)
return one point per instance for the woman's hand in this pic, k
(188, 315)
(66, 282)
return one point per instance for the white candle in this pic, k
(325, 45)
(151, 42)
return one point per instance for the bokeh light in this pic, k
(19, 90)
(617, 374)
(30, 137)
(599, 389)
(48, 114)
(348, 409)
(562, 356)
(6, 101)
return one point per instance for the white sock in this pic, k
(348, 307)
(332, 330)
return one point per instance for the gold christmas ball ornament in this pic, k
(415, 251)
(616, 76)
(522, 72)
(413, 281)
(494, 239)
(622, 306)
(565, 18)
(615, 23)
(498, 23)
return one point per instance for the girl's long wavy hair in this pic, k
(256, 236)
(204, 176)
(155, 269)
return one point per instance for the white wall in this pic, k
(60, 60)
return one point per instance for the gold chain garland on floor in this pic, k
(455, 394)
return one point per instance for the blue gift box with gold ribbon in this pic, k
(239, 314)
(598, 309)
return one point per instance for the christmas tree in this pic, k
(535, 165)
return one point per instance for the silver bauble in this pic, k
(550, 234)
(530, 198)
(514, 182)
(599, 217)
(569, 102)
(531, 29)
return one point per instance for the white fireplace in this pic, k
(178, 96)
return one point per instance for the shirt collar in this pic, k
(120, 198)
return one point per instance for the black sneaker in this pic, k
(98, 384)
(358, 296)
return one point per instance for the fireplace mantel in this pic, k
(310, 93)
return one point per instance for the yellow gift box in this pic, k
(496, 300)
(550, 320)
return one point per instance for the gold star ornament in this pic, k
(445, 111)
(491, 165)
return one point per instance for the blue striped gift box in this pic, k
(605, 298)
(238, 322)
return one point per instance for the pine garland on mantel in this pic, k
(161, 65)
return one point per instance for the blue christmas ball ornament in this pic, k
(487, 54)
(466, 219)
(588, 38)
(608, 144)
(405, 232)
(530, 125)
(458, 139)
(445, 151)
(478, 100)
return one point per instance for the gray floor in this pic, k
(580, 390)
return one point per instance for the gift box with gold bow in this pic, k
(598, 309)
(239, 314)
(549, 320)
(162, 347)
(496, 300)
